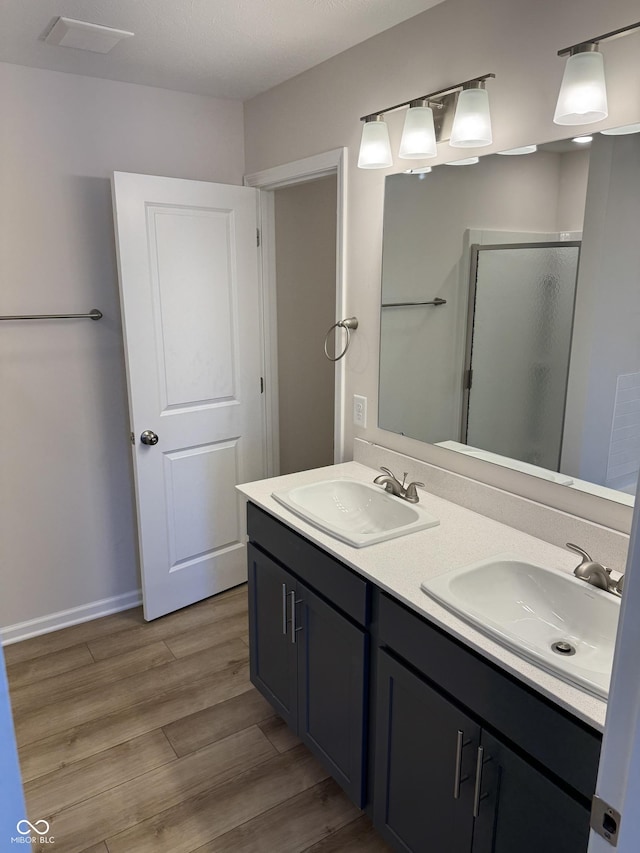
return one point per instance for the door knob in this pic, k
(149, 437)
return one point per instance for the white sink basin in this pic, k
(355, 512)
(529, 608)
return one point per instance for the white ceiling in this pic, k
(222, 48)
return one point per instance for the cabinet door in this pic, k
(272, 651)
(332, 655)
(521, 809)
(423, 796)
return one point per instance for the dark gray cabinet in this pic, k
(309, 661)
(444, 784)
(332, 655)
(522, 809)
(445, 781)
(424, 772)
(273, 657)
(458, 756)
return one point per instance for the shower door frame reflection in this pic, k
(475, 250)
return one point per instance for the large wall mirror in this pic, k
(510, 317)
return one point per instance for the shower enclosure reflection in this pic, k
(521, 304)
(554, 357)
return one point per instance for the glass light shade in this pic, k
(524, 149)
(375, 150)
(472, 121)
(468, 161)
(419, 135)
(622, 131)
(583, 93)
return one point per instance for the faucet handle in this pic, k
(593, 572)
(411, 493)
(585, 557)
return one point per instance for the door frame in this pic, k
(619, 770)
(323, 165)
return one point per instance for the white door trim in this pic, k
(300, 171)
(619, 771)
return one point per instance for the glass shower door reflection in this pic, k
(518, 349)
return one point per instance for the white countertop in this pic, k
(400, 565)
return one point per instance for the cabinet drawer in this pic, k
(562, 744)
(332, 579)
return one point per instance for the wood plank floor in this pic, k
(137, 737)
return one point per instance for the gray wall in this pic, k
(608, 308)
(319, 110)
(67, 532)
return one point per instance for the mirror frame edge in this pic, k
(593, 508)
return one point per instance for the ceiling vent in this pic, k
(85, 36)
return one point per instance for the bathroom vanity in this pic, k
(450, 742)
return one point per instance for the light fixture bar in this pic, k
(433, 96)
(614, 34)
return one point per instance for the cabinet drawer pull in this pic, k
(294, 630)
(458, 772)
(477, 795)
(284, 609)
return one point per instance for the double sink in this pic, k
(547, 616)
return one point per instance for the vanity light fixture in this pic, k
(421, 172)
(524, 149)
(459, 114)
(622, 131)
(375, 148)
(472, 121)
(583, 93)
(419, 132)
(468, 161)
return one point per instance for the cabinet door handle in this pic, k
(284, 609)
(294, 629)
(457, 779)
(477, 795)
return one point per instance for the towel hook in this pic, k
(349, 324)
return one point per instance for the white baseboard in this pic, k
(65, 618)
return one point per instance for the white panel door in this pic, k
(190, 299)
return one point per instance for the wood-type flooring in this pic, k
(142, 737)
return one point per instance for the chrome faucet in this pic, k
(392, 485)
(595, 573)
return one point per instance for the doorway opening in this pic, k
(305, 249)
(301, 216)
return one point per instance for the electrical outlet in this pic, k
(359, 411)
